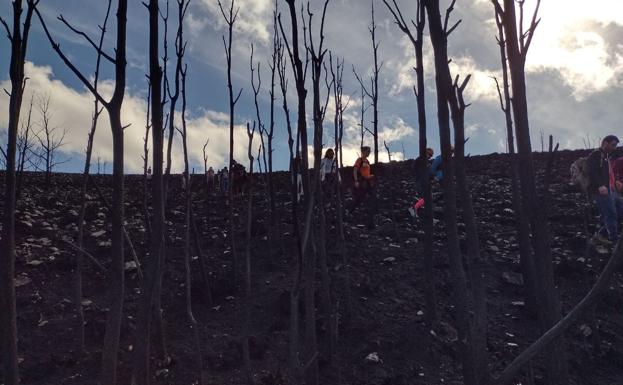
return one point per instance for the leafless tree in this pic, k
(317, 54)
(25, 148)
(337, 73)
(150, 303)
(518, 42)
(521, 220)
(468, 335)
(19, 43)
(271, 124)
(300, 163)
(146, 168)
(373, 91)
(256, 84)
(192, 321)
(417, 39)
(113, 106)
(247, 277)
(50, 139)
(230, 18)
(97, 110)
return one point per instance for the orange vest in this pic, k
(363, 167)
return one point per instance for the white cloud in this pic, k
(73, 109)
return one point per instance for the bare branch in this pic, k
(363, 87)
(6, 27)
(88, 39)
(69, 64)
(448, 12)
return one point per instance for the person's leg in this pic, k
(602, 206)
(609, 215)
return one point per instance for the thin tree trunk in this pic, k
(8, 325)
(549, 305)
(438, 37)
(83, 193)
(141, 374)
(526, 256)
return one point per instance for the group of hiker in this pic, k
(219, 181)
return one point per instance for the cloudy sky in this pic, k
(575, 82)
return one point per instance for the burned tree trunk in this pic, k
(24, 149)
(517, 45)
(337, 74)
(113, 325)
(141, 374)
(526, 260)
(247, 277)
(230, 19)
(439, 39)
(477, 265)
(192, 321)
(8, 325)
(422, 169)
(373, 91)
(317, 63)
(83, 192)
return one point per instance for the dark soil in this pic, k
(386, 273)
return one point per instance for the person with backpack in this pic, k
(602, 187)
(436, 167)
(364, 184)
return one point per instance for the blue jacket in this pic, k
(436, 168)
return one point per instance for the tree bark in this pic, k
(443, 82)
(549, 304)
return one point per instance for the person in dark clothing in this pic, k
(422, 171)
(422, 167)
(603, 188)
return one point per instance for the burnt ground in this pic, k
(386, 271)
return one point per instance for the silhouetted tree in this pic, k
(521, 220)
(445, 93)
(97, 110)
(25, 149)
(417, 40)
(230, 18)
(373, 91)
(49, 139)
(19, 44)
(517, 45)
(113, 106)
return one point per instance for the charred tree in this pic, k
(113, 107)
(192, 321)
(417, 40)
(19, 44)
(337, 74)
(549, 309)
(247, 276)
(373, 91)
(230, 18)
(319, 109)
(445, 93)
(49, 139)
(97, 110)
(521, 220)
(25, 151)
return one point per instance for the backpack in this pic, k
(579, 174)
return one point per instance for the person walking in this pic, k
(603, 189)
(363, 190)
(328, 172)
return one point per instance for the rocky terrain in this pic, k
(385, 342)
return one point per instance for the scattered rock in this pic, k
(374, 358)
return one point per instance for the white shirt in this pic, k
(327, 166)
